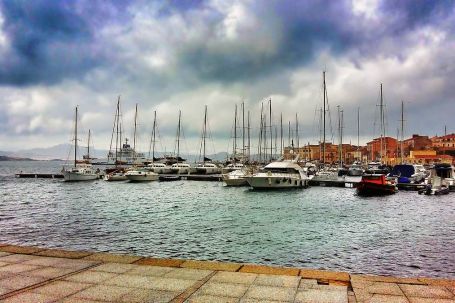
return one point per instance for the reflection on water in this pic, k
(330, 228)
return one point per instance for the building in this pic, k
(313, 152)
(416, 142)
(444, 143)
(389, 149)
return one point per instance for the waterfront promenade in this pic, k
(33, 274)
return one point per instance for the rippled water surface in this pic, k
(329, 228)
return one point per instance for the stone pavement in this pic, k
(31, 274)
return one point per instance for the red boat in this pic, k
(375, 185)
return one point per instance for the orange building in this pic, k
(444, 143)
(313, 152)
(389, 149)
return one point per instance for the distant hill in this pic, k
(7, 158)
(64, 151)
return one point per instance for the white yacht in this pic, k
(232, 167)
(116, 175)
(180, 168)
(281, 174)
(207, 168)
(442, 177)
(81, 170)
(236, 178)
(159, 168)
(141, 174)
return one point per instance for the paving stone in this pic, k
(4, 263)
(148, 295)
(78, 300)
(340, 288)
(3, 253)
(426, 291)
(20, 249)
(231, 277)
(18, 281)
(321, 296)
(50, 272)
(75, 264)
(63, 253)
(29, 297)
(18, 268)
(386, 279)
(90, 276)
(270, 293)
(17, 258)
(114, 267)
(210, 299)
(61, 288)
(44, 261)
(103, 293)
(105, 257)
(170, 284)
(4, 291)
(324, 275)
(378, 298)
(221, 266)
(277, 281)
(188, 273)
(223, 289)
(440, 282)
(131, 281)
(154, 271)
(160, 262)
(249, 300)
(383, 288)
(304, 282)
(269, 270)
(351, 297)
(430, 300)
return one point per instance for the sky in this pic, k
(168, 55)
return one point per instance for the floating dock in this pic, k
(36, 274)
(45, 176)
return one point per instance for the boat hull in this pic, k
(75, 176)
(270, 182)
(235, 181)
(144, 177)
(371, 189)
(115, 177)
(207, 170)
(180, 171)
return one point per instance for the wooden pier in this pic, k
(33, 176)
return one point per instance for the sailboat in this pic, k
(118, 172)
(180, 167)
(235, 164)
(206, 167)
(83, 170)
(156, 166)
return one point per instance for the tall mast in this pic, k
(178, 136)
(341, 138)
(248, 129)
(381, 117)
(281, 134)
(204, 133)
(235, 133)
(260, 134)
(270, 123)
(289, 133)
(323, 114)
(339, 134)
(75, 138)
(117, 118)
(88, 145)
(154, 136)
(264, 140)
(135, 127)
(358, 129)
(243, 130)
(402, 131)
(297, 132)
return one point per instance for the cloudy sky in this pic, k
(181, 55)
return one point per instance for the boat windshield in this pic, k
(403, 171)
(284, 170)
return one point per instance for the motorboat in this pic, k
(141, 174)
(232, 167)
(236, 178)
(327, 175)
(159, 168)
(279, 175)
(180, 168)
(115, 175)
(354, 174)
(440, 179)
(407, 173)
(376, 185)
(207, 168)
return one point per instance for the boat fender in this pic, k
(269, 173)
(270, 181)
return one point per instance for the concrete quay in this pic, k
(33, 274)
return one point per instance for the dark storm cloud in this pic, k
(50, 40)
